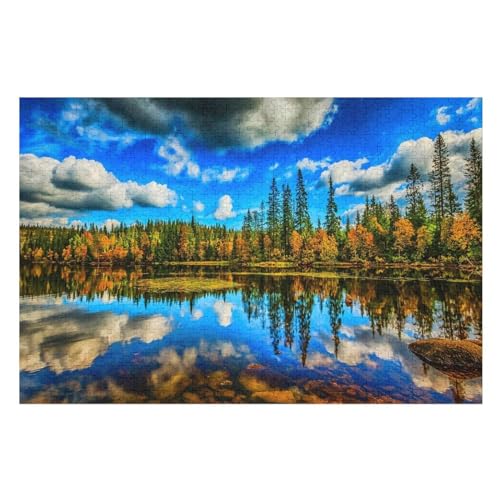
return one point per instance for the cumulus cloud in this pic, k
(387, 178)
(225, 208)
(274, 166)
(224, 175)
(442, 117)
(311, 165)
(220, 122)
(198, 206)
(44, 221)
(178, 158)
(48, 187)
(109, 224)
(470, 106)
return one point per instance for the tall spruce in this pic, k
(444, 199)
(415, 209)
(332, 219)
(394, 213)
(474, 175)
(302, 219)
(273, 215)
(287, 225)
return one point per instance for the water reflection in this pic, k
(90, 335)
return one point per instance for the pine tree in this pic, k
(273, 215)
(287, 225)
(302, 219)
(394, 213)
(366, 212)
(332, 220)
(445, 200)
(474, 174)
(415, 210)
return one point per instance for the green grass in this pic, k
(271, 264)
(185, 284)
(198, 263)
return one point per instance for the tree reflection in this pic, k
(285, 304)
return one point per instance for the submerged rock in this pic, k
(274, 396)
(457, 358)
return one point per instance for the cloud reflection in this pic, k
(64, 337)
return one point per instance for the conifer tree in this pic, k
(302, 219)
(332, 220)
(444, 199)
(415, 209)
(287, 225)
(273, 215)
(474, 175)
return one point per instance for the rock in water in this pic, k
(457, 358)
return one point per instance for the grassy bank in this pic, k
(185, 285)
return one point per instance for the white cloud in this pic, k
(109, 224)
(470, 106)
(441, 116)
(225, 208)
(198, 206)
(311, 165)
(178, 158)
(346, 171)
(49, 187)
(44, 221)
(224, 175)
(274, 166)
(388, 178)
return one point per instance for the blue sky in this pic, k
(98, 160)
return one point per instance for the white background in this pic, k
(231, 48)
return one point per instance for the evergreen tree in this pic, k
(394, 213)
(366, 212)
(302, 219)
(274, 215)
(444, 199)
(287, 225)
(415, 209)
(474, 174)
(332, 220)
(358, 218)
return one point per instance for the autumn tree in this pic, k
(360, 243)
(295, 244)
(464, 236)
(403, 236)
(423, 239)
(324, 246)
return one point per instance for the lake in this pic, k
(91, 336)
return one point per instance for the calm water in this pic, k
(88, 335)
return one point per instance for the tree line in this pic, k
(282, 229)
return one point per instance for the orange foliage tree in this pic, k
(403, 236)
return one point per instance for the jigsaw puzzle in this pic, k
(274, 250)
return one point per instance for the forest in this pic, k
(433, 228)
